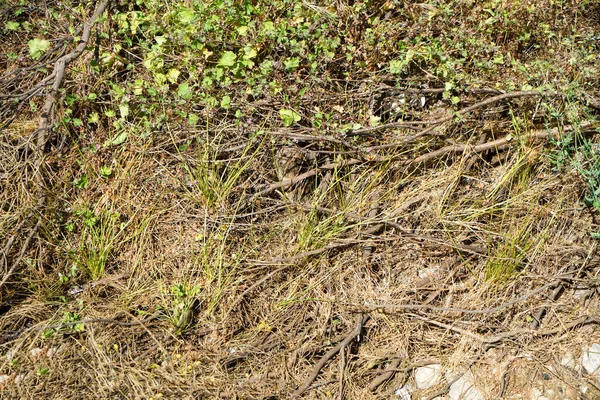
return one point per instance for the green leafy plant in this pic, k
(180, 312)
(38, 47)
(289, 117)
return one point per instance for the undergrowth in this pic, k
(230, 189)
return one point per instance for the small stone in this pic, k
(4, 378)
(52, 352)
(20, 378)
(463, 389)
(568, 360)
(429, 272)
(591, 359)
(536, 394)
(405, 392)
(427, 376)
(581, 293)
(36, 352)
(10, 354)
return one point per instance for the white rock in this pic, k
(429, 272)
(6, 378)
(536, 394)
(405, 392)
(20, 378)
(463, 389)
(427, 376)
(568, 360)
(52, 352)
(11, 354)
(36, 352)
(591, 359)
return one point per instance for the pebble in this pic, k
(591, 359)
(36, 352)
(405, 392)
(568, 360)
(427, 376)
(463, 389)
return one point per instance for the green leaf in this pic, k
(291, 63)
(289, 117)
(173, 75)
(94, 118)
(396, 66)
(160, 40)
(105, 171)
(227, 59)
(186, 15)
(225, 101)
(81, 183)
(121, 138)
(184, 91)
(12, 25)
(37, 48)
(499, 59)
(268, 27)
(124, 110)
(110, 113)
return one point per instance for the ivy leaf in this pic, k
(289, 117)
(173, 75)
(227, 59)
(37, 48)
(187, 16)
(119, 139)
(184, 91)
(12, 25)
(124, 110)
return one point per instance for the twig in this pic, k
(24, 248)
(341, 378)
(299, 178)
(499, 144)
(585, 320)
(289, 263)
(404, 231)
(459, 113)
(427, 307)
(385, 376)
(59, 72)
(360, 321)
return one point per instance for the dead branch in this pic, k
(429, 308)
(24, 248)
(299, 178)
(584, 320)
(385, 376)
(46, 117)
(459, 113)
(360, 321)
(504, 142)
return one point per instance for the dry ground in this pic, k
(246, 257)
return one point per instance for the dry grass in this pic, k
(168, 277)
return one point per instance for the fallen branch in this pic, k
(502, 143)
(459, 113)
(585, 320)
(46, 117)
(24, 248)
(360, 321)
(429, 308)
(299, 178)
(385, 376)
